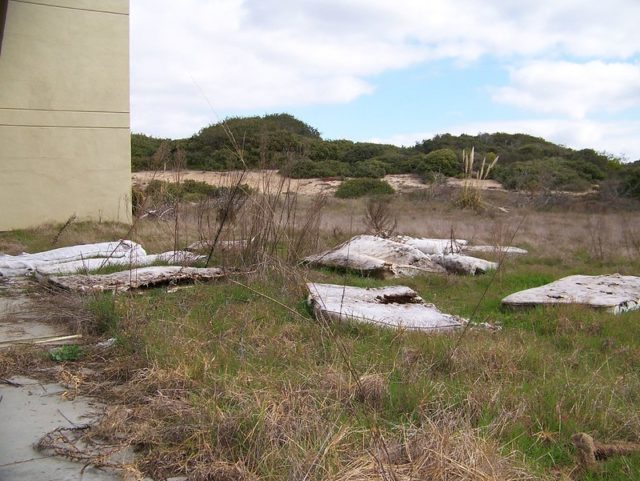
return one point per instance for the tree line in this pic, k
(280, 141)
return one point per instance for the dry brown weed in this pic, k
(371, 389)
(442, 449)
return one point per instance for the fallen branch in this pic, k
(590, 450)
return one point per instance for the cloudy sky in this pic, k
(393, 71)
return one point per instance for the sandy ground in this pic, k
(270, 180)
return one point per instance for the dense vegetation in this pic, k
(280, 141)
(629, 178)
(353, 188)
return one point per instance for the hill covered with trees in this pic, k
(280, 141)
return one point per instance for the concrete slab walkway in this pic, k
(29, 409)
(19, 322)
(27, 413)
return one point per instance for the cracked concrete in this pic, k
(30, 409)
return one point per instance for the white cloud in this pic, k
(275, 54)
(619, 138)
(573, 89)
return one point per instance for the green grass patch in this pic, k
(68, 352)
(549, 373)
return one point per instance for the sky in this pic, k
(393, 71)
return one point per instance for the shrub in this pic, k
(305, 169)
(631, 180)
(543, 174)
(379, 217)
(359, 151)
(68, 352)
(188, 190)
(441, 161)
(353, 188)
(143, 149)
(369, 168)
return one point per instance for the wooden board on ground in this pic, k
(395, 306)
(146, 277)
(614, 293)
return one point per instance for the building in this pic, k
(64, 111)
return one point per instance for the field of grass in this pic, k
(237, 380)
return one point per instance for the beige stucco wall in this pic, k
(64, 112)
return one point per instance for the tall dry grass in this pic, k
(470, 196)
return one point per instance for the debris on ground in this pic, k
(461, 264)
(144, 277)
(88, 265)
(614, 293)
(402, 256)
(394, 306)
(498, 250)
(88, 257)
(24, 264)
(33, 412)
(225, 245)
(455, 246)
(106, 344)
(376, 256)
(54, 340)
(20, 321)
(590, 450)
(432, 246)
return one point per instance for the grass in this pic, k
(222, 381)
(275, 384)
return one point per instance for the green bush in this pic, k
(143, 149)
(369, 168)
(630, 175)
(441, 161)
(68, 352)
(553, 174)
(353, 188)
(305, 169)
(263, 140)
(359, 151)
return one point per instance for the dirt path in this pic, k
(263, 180)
